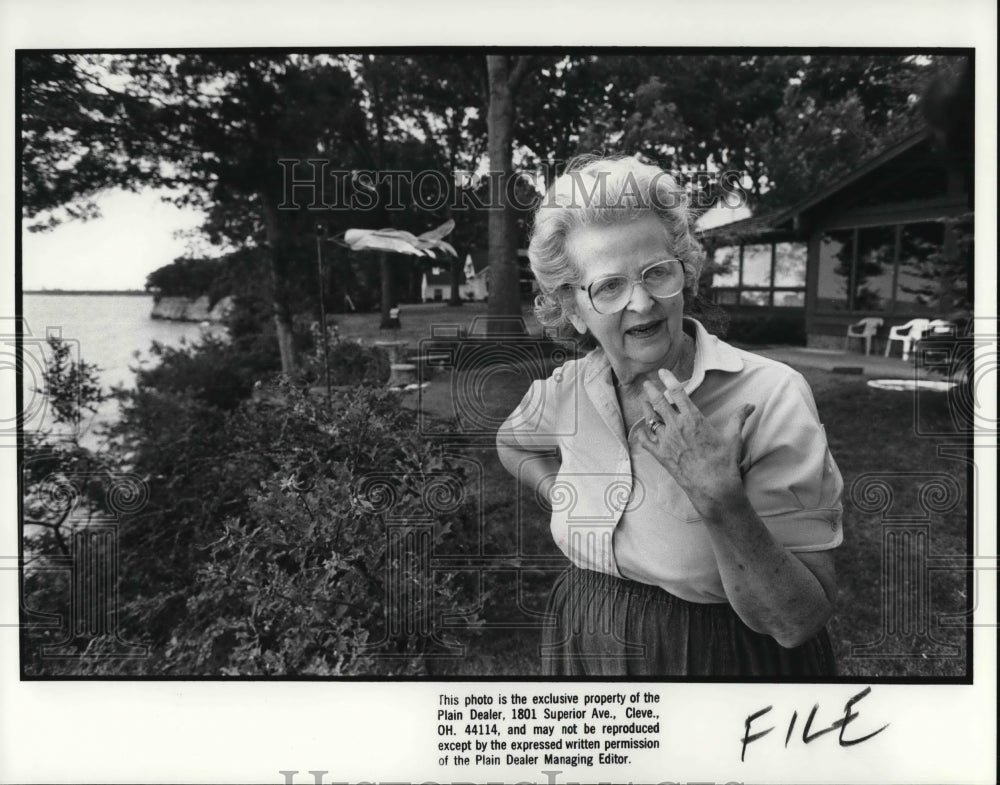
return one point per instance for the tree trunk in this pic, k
(455, 263)
(504, 309)
(415, 271)
(279, 285)
(378, 114)
(455, 268)
(385, 272)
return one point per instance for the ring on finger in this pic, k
(653, 425)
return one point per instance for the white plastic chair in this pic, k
(864, 328)
(941, 327)
(907, 334)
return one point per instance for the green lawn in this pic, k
(417, 320)
(870, 432)
(874, 432)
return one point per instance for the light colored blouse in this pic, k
(615, 509)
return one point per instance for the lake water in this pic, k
(106, 331)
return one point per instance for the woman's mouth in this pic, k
(644, 330)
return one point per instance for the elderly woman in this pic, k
(690, 482)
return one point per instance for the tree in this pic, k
(212, 127)
(787, 121)
(413, 122)
(948, 106)
(71, 144)
(505, 77)
(805, 144)
(445, 95)
(568, 96)
(679, 110)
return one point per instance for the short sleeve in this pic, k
(545, 414)
(790, 476)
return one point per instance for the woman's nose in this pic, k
(640, 300)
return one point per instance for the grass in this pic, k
(873, 435)
(417, 322)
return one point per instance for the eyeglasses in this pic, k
(662, 280)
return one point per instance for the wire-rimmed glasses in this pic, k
(662, 280)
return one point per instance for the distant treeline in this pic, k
(247, 275)
(130, 292)
(215, 278)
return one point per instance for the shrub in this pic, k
(307, 579)
(216, 372)
(52, 508)
(259, 549)
(64, 486)
(350, 363)
(353, 363)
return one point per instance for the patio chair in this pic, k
(941, 327)
(864, 328)
(907, 334)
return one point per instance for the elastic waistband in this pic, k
(591, 581)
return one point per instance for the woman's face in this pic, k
(647, 333)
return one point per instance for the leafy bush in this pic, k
(64, 487)
(51, 511)
(354, 363)
(300, 585)
(350, 363)
(259, 549)
(300, 581)
(217, 372)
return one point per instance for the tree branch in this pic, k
(56, 530)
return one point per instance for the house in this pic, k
(885, 240)
(473, 278)
(473, 281)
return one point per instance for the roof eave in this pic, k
(786, 220)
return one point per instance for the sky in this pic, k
(134, 236)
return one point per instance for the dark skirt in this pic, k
(601, 625)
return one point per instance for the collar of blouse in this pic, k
(707, 353)
(682, 370)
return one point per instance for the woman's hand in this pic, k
(703, 459)
(773, 592)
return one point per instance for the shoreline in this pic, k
(102, 292)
